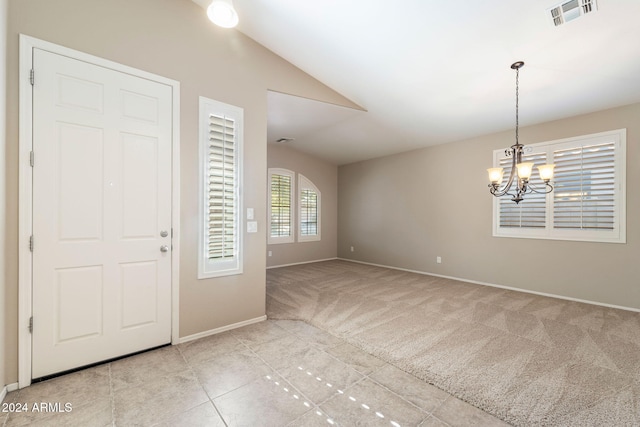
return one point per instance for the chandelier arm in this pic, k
(515, 158)
(504, 192)
(501, 192)
(548, 188)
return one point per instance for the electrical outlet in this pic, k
(352, 249)
(270, 253)
(438, 260)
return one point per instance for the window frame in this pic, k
(275, 240)
(617, 235)
(305, 184)
(208, 268)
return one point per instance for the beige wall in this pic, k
(406, 209)
(174, 39)
(325, 176)
(3, 169)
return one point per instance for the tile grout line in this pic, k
(402, 398)
(315, 405)
(6, 416)
(112, 397)
(364, 376)
(201, 386)
(336, 393)
(438, 419)
(368, 376)
(269, 365)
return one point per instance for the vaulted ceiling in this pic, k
(428, 72)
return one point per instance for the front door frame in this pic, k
(25, 190)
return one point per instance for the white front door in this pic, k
(101, 213)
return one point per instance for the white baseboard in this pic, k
(493, 285)
(6, 389)
(303, 262)
(222, 329)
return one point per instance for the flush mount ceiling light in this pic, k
(520, 171)
(222, 13)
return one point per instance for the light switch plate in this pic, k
(249, 213)
(252, 226)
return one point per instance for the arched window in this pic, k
(308, 210)
(293, 216)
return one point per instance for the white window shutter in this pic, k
(584, 196)
(220, 242)
(222, 197)
(281, 206)
(309, 210)
(281, 188)
(589, 196)
(531, 212)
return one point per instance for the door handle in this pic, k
(164, 248)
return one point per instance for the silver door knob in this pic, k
(164, 233)
(164, 248)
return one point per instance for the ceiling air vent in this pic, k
(570, 10)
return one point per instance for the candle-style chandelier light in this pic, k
(520, 171)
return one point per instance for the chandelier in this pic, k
(520, 171)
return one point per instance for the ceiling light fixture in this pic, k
(222, 13)
(520, 171)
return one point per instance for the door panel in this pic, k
(140, 186)
(138, 106)
(80, 94)
(139, 294)
(78, 303)
(80, 172)
(101, 197)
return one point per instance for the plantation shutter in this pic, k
(588, 201)
(531, 212)
(584, 196)
(222, 241)
(308, 212)
(280, 205)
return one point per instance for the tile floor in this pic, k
(273, 373)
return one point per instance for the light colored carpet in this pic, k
(527, 359)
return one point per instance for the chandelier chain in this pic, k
(517, 97)
(516, 152)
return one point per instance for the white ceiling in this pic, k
(429, 72)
